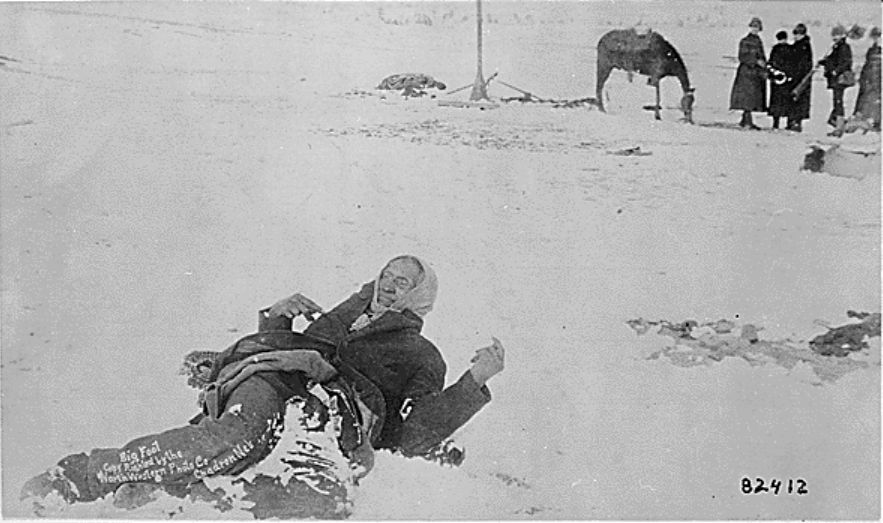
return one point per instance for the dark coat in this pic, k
(391, 356)
(868, 101)
(801, 64)
(749, 88)
(780, 94)
(837, 61)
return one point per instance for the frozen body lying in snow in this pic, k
(382, 379)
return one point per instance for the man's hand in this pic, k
(487, 362)
(307, 361)
(295, 304)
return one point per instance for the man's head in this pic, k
(799, 31)
(399, 277)
(755, 25)
(782, 36)
(838, 32)
(875, 34)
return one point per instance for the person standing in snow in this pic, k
(781, 82)
(369, 347)
(867, 104)
(838, 66)
(749, 87)
(800, 65)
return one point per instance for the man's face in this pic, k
(399, 277)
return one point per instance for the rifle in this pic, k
(804, 83)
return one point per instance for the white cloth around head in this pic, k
(418, 300)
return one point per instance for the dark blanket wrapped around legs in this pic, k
(291, 466)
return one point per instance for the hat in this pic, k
(782, 35)
(838, 30)
(799, 29)
(875, 32)
(755, 22)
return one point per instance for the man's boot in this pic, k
(832, 119)
(67, 479)
(747, 121)
(839, 127)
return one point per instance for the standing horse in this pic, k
(648, 54)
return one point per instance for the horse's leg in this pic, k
(602, 75)
(656, 107)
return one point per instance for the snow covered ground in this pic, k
(166, 169)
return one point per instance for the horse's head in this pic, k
(687, 104)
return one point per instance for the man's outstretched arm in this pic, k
(437, 415)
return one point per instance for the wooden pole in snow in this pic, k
(479, 87)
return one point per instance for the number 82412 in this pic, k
(759, 486)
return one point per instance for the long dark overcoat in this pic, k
(749, 88)
(801, 64)
(780, 93)
(868, 101)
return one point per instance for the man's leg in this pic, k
(748, 120)
(836, 106)
(243, 435)
(838, 102)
